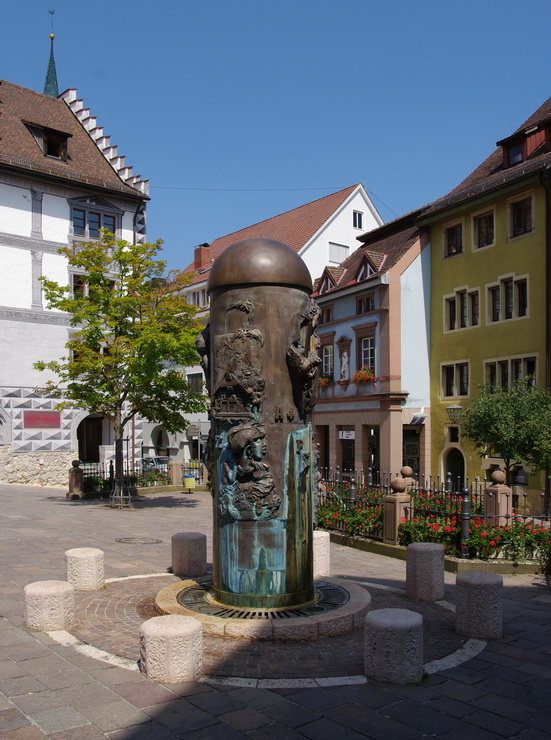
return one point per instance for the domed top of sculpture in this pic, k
(262, 262)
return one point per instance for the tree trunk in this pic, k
(118, 430)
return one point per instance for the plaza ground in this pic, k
(58, 690)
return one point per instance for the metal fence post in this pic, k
(465, 523)
(352, 492)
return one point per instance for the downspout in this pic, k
(545, 180)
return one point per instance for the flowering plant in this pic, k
(364, 375)
(324, 381)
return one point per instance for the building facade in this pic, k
(373, 315)
(322, 232)
(61, 181)
(490, 298)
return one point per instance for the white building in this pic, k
(323, 232)
(61, 180)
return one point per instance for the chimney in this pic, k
(201, 256)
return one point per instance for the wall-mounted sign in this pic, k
(41, 419)
(347, 434)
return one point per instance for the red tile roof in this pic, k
(18, 149)
(295, 227)
(492, 174)
(384, 247)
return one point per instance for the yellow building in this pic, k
(490, 304)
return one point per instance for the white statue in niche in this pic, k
(344, 365)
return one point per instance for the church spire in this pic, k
(50, 85)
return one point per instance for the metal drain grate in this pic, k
(328, 597)
(138, 541)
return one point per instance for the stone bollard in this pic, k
(425, 571)
(171, 648)
(393, 647)
(85, 571)
(189, 554)
(478, 605)
(49, 605)
(322, 554)
(76, 481)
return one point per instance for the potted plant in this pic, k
(324, 381)
(364, 375)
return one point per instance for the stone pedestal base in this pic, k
(189, 554)
(322, 554)
(171, 649)
(425, 571)
(85, 569)
(478, 605)
(393, 649)
(49, 605)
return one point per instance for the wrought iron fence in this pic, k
(100, 477)
(470, 521)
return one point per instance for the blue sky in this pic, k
(237, 111)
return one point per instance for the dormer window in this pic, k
(52, 143)
(516, 153)
(365, 271)
(326, 284)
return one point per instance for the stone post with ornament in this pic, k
(498, 501)
(395, 505)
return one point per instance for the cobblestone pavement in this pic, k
(54, 690)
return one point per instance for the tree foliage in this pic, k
(132, 334)
(514, 424)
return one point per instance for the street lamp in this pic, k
(454, 412)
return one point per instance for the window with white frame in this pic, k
(508, 299)
(195, 381)
(483, 230)
(461, 310)
(327, 359)
(455, 380)
(502, 372)
(357, 219)
(367, 352)
(521, 216)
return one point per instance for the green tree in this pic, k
(514, 424)
(132, 333)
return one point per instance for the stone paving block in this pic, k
(220, 731)
(150, 731)
(290, 714)
(113, 716)
(23, 685)
(82, 732)
(112, 675)
(181, 716)
(459, 691)
(495, 723)
(449, 706)
(510, 708)
(12, 719)
(318, 699)
(244, 720)
(216, 703)
(256, 698)
(273, 731)
(421, 717)
(366, 695)
(371, 723)
(9, 669)
(60, 718)
(325, 729)
(145, 693)
(30, 732)
(65, 679)
(30, 703)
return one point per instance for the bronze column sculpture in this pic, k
(260, 359)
